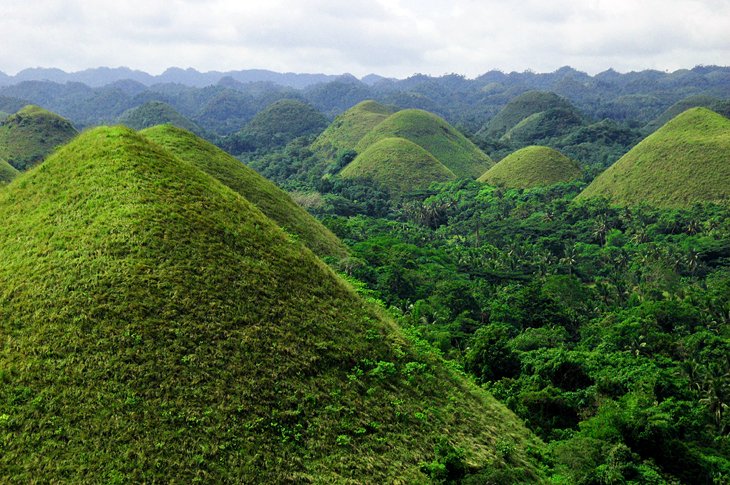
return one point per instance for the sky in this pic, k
(395, 38)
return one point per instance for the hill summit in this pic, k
(7, 172)
(29, 135)
(533, 166)
(155, 113)
(684, 162)
(434, 135)
(157, 326)
(526, 105)
(398, 165)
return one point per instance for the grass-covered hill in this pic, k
(157, 327)
(434, 135)
(277, 125)
(715, 104)
(7, 172)
(521, 107)
(684, 162)
(155, 113)
(347, 129)
(269, 198)
(533, 166)
(548, 124)
(398, 165)
(29, 135)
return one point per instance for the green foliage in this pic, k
(398, 165)
(530, 167)
(682, 163)
(155, 113)
(271, 200)
(7, 172)
(551, 123)
(435, 136)
(157, 326)
(30, 134)
(522, 107)
(683, 105)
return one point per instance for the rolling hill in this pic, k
(155, 113)
(521, 107)
(533, 166)
(697, 101)
(435, 136)
(684, 162)
(545, 125)
(398, 165)
(157, 327)
(278, 124)
(32, 133)
(348, 128)
(269, 198)
(7, 172)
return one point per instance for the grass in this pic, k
(283, 121)
(155, 326)
(521, 107)
(551, 123)
(398, 165)
(155, 113)
(348, 128)
(29, 135)
(699, 100)
(269, 198)
(7, 172)
(533, 166)
(686, 161)
(435, 136)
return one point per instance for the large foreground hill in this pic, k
(156, 326)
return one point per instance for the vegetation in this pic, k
(30, 134)
(7, 172)
(156, 326)
(522, 107)
(435, 136)
(349, 128)
(699, 100)
(267, 197)
(551, 123)
(531, 167)
(276, 126)
(398, 165)
(682, 163)
(155, 113)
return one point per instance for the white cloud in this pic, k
(390, 37)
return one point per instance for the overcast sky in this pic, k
(389, 37)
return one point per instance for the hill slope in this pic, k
(7, 172)
(521, 107)
(155, 113)
(398, 165)
(533, 166)
(31, 134)
(157, 327)
(551, 123)
(715, 104)
(280, 123)
(269, 198)
(684, 162)
(348, 128)
(435, 136)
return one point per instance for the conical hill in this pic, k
(398, 165)
(348, 128)
(272, 201)
(7, 172)
(155, 113)
(157, 327)
(533, 166)
(29, 135)
(522, 107)
(684, 162)
(435, 136)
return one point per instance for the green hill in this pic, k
(7, 172)
(698, 101)
(29, 135)
(548, 124)
(533, 166)
(269, 198)
(155, 113)
(398, 165)
(684, 162)
(435, 136)
(521, 107)
(348, 128)
(278, 124)
(157, 327)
